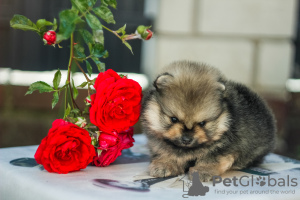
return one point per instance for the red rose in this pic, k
(50, 37)
(116, 104)
(109, 155)
(66, 148)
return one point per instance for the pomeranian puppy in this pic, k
(198, 121)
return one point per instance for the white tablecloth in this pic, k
(127, 178)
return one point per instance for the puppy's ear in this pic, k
(162, 81)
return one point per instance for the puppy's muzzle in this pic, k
(186, 140)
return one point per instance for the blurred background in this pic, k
(255, 42)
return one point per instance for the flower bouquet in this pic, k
(98, 133)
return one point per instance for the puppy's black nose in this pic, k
(186, 140)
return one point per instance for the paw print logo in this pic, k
(261, 181)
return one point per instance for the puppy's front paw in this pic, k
(160, 170)
(204, 176)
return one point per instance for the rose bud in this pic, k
(123, 76)
(108, 140)
(81, 122)
(140, 29)
(114, 146)
(147, 34)
(49, 37)
(94, 141)
(88, 101)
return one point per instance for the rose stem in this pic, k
(66, 89)
(89, 92)
(68, 75)
(69, 68)
(71, 57)
(73, 101)
(87, 78)
(69, 71)
(132, 37)
(114, 32)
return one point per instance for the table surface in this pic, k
(127, 178)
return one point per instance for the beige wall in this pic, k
(249, 40)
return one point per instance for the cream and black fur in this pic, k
(197, 120)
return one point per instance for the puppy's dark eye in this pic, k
(202, 124)
(174, 119)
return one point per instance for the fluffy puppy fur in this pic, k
(196, 120)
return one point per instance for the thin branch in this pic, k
(71, 57)
(89, 91)
(69, 70)
(71, 94)
(87, 78)
(132, 37)
(114, 32)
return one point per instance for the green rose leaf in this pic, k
(67, 111)
(55, 99)
(98, 36)
(111, 3)
(82, 85)
(104, 13)
(93, 2)
(79, 51)
(75, 91)
(40, 86)
(42, 23)
(98, 50)
(68, 20)
(89, 68)
(75, 111)
(104, 3)
(122, 30)
(90, 3)
(54, 24)
(128, 46)
(106, 54)
(93, 22)
(100, 65)
(56, 79)
(81, 5)
(63, 87)
(23, 23)
(87, 36)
